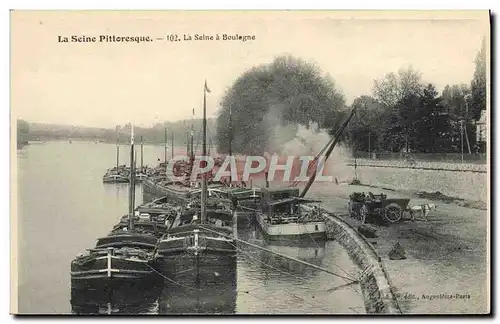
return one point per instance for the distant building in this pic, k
(481, 128)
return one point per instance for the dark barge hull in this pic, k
(208, 255)
(116, 257)
(147, 242)
(189, 293)
(117, 297)
(100, 271)
(156, 229)
(154, 191)
(200, 269)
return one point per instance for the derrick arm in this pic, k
(332, 144)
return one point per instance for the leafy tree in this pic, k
(23, 129)
(428, 129)
(457, 100)
(285, 92)
(459, 104)
(478, 84)
(395, 87)
(364, 129)
(400, 128)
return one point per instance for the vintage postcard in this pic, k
(250, 162)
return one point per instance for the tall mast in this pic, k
(165, 148)
(117, 150)
(187, 142)
(131, 203)
(135, 161)
(230, 143)
(192, 137)
(172, 146)
(142, 154)
(204, 153)
(165, 151)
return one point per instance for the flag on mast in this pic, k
(206, 87)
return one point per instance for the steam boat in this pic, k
(285, 216)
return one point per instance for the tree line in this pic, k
(180, 130)
(402, 114)
(23, 129)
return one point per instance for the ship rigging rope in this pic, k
(173, 281)
(317, 245)
(284, 256)
(348, 282)
(267, 265)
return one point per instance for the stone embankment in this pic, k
(423, 165)
(451, 179)
(375, 285)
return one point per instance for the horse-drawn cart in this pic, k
(369, 208)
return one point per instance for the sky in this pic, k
(106, 84)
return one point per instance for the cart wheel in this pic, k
(393, 213)
(363, 213)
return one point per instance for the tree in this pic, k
(428, 129)
(400, 128)
(364, 129)
(395, 87)
(22, 127)
(478, 84)
(270, 98)
(400, 93)
(456, 100)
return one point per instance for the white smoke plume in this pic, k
(310, 141)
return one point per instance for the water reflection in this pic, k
(124, 297)
(120, 191)
(183, 293)
(310, 252)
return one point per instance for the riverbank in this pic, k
(445, 256)
(477, 166)
(431, 196)
(455, 183)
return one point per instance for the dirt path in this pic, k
(446, 266)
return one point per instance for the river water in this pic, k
(63, 207)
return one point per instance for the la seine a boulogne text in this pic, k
(146, 39)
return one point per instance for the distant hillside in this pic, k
(156, 134)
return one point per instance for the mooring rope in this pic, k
(267, 265)
(173, 281)
(349, 283)
(317, 245)
(284, 256)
